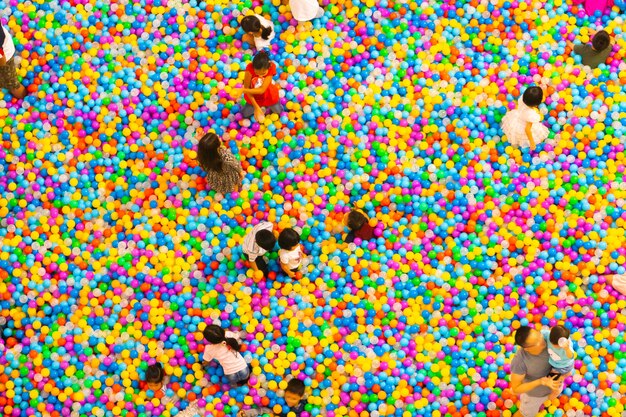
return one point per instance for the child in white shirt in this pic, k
(224, 348)
(290, 253)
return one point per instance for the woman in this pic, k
(224, 173)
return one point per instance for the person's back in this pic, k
(597, 52)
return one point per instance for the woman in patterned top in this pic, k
(224, 173)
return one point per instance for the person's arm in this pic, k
(569, 350)
(260, 90)
(529, 133)
(519, 387)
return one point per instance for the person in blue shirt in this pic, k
(294, 394)
(561, 352)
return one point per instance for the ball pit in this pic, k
(114, 252)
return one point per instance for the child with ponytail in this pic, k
(259, 31)
(224, 348)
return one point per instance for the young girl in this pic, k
(305, 10)
(224, 173)
(224, 348)
(561, 353)
(290, 252)
(259, 31)
(522, 126)
(359, 226)
(8, 73)
(259, 89)
(156, 381)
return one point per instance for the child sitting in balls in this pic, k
(259, 241)
(294, 398)
(523, 126)
(223, 170)
(259, 31)
(561, 353)
(597, 52)
(259, 89)
(290, 253)
(359, 226)
(156, 380)
(224, 348)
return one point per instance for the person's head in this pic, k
(288, 239)
(154, 376)
(208, 155)
(600, 41)
(530, 340)
(265, 239)
(557, 333)
(294, 392)
(252, 25)
(261, 63)
(533, 96)
(355, 220)
(215, 335)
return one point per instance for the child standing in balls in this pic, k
(257, 243)
(259, 88)
(8, 72)
(291, 254)
(523, 126)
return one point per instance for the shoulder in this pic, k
(518, 364)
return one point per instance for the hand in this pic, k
(236, 93)
(259, 115)
(241, 413)
(199, 132)
(551, 383)
(242, 174)
(563, 342)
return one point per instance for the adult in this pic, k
(223, 170)
(529, 370)
(8, 72)
(597, 51)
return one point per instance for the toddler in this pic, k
(259, 31)
(224, 348)
(290, 252)
(259, 89)
(596, 53)
(561, 353)
(305, 10)
(359, 226)
(294, 394)
(257, 243)
(522, 126)
(156, 380)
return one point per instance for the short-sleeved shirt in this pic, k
(291, 258)
(366, 232)
(558, 356)
(590, 57)
(270, 96)
(231, 360)
(533, 367)
(8, 47)
(259, 42)
(229, 178)
(250, 248)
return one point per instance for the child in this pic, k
(259, 31)
(359, 226)
(223, 171)
(561, 353)
(157, 381)
(522, 126)
(257, 243)
(224, 348)
(8, 73)
(618, 282)
(305, 10)
(290, 252)
(294, 394)
(596, 53)
(259, 89)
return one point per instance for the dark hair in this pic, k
(265, 239)
(215, 335)
(521, 335)
(253, 24)
(295, 386)
(288, 238)
(533, 96)
(558, 332)
(2, 35)
(356, 220)
(261, 61)
(601, 41)
(155, 373)
(208, 156)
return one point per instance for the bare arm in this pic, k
(266, 83)
(519, 387)
(530, 135)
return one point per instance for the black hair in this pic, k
(295, 386)
(533, 96)
(155, 373)
(2, 35)
(261, 61)
(253, 24)
(558, 332)
(208, 156)
(601, 40)
(215, 335)
(356, 220)
(288, 238)
(265, 239)
(521, 335)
